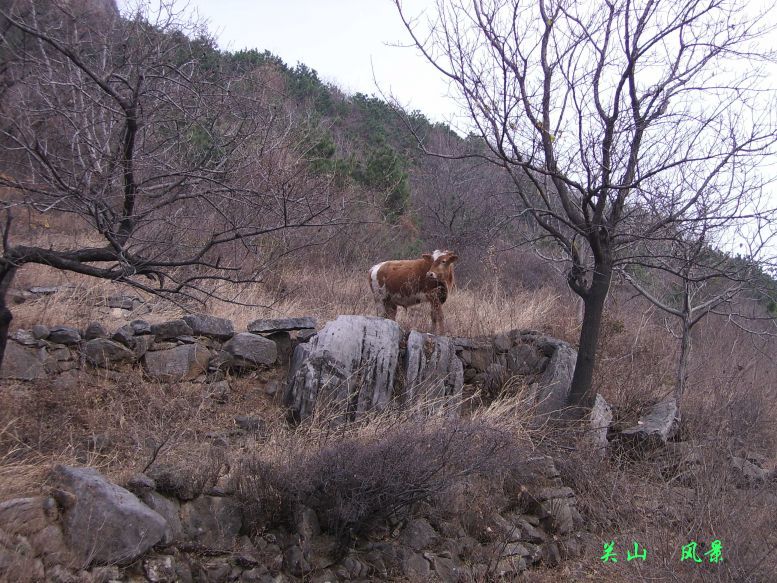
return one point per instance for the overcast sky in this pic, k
(343, 40)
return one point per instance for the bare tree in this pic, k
(687, 278)
(177, 169)
(607, 109)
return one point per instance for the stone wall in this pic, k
(90, 529)
(364, 363)
(175, 350)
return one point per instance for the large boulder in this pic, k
(103, 522)
(249, 350)
(349, 365)
(23, 362)
(552, 388)
(184, 362)
(107, 353)
(434, 374)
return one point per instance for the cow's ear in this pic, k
(453, 258)
(426, 255)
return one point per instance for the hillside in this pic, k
(285, 191)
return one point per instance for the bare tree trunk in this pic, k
(682, 368)
(581, 395)
(6, 278)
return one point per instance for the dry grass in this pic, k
(731, 405)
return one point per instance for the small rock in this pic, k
(281, 324)
(295, 562)
(122, 302)
(160, 569)
(248, 423)
(64, 335)
(40, 332)
(141, 345)
(218, 391)
(502, 343)
(107, 353)
(95, 330)
(210, 326)
(139, 484)
(419, 534)
(170, 330)
(25, 338)
(249, 350)
(305, 335)
(44, 290)
(23, 363)
(125, 335)
(183, 362)
(140, 327)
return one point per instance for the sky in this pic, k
(346, 41)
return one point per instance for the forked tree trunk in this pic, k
(580, 395)
(6, 278)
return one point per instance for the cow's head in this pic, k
(442, 266)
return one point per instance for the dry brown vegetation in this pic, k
(118, 422)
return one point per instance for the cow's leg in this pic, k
(438, 324)
(389, 310)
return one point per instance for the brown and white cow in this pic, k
(411, 281)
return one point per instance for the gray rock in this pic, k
(107, 353)
(283, 345)
(294, 561)
(600, 420)
(122, 302)
(249, 423)
(140, 327)
(212, 521)
(23, 363)
(433, 373)
(414, 566)
(40, 332)
(502, 343)
(654, 428)
(25, 338)
(139, 484)
(523, 359)
(305, 335)
(64, 335)
(141, 345)
(218, 391)
(555, 383)
(168, 509)
(105, 523)
(124, 335)
(419, 534)
(184, 362)
(350, 365)
(44, 290)
(210, 326)
(95, 330)
(250, 351)
(746, 473)
(280, 324)
(170, 329)
(160, 569)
